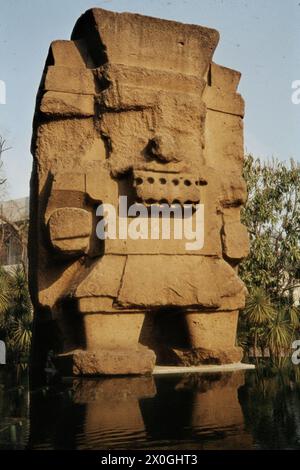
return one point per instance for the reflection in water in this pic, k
(14, 408)
(270, 401)
(112, 410)
(170, 412)
(256, 409)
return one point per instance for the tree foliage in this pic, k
(272, 215)
(15, 312)
(272, 270)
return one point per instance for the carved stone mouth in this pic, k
(160, 187)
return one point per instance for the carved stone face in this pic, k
(153, 122)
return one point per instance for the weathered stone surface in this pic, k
(158, 187)
(65, 145)
(196, 356)
(235, 241)
(206, 330)
(69, 229)
(70, 80)
(172, 246)
(224, 149)
(65, 54)
(95, 304)
(217, 100)
(103, 279)
(140, 360)
(67, 104)
(180, 281)
(189, 47)
(224, 78)
(117, 116)
(112, 331)
(100, 187)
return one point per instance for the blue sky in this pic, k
(260, 38)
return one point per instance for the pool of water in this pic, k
(256, 409)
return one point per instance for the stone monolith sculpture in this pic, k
(134, 107)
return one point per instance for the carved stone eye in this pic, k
(175, 182)
(139, 181)
(187, 183)
(150, 180)
(162, 181)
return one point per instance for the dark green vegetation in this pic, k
(271, 273)
(15, 314)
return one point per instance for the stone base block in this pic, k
(199, 356)
(136, 361)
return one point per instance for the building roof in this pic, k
(15, 210)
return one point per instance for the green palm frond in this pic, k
(5, 292)
(4, 302)
(21, 335)
(294, 315)
(259, 309)
(279, 335)
(15, 311)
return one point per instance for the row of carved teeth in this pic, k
(163, 181)
(164, 201)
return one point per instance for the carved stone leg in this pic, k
(213, 336)
(112, 347)
(212, 339)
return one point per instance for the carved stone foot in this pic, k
(199, 356)
(139, 360)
